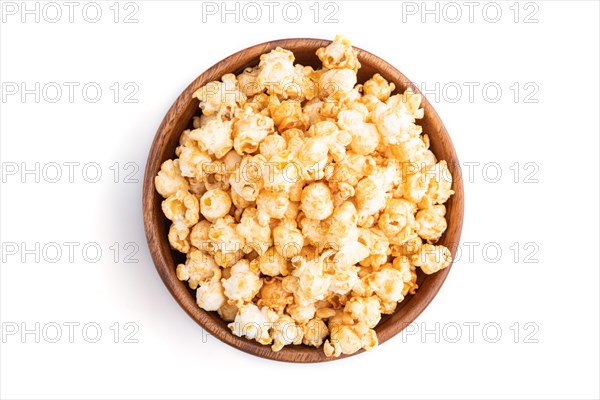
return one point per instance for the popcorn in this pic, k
(178, 238)
(336, 83)
(214, 133)
(324, 310)
(199, 268)
(311, 112)
(388, 307)
(185, 140)
(398, 220)
(276, 71)
(337, 145)
(247, 180)
(257, 236)
(239, 202)
(343, 230)
(215, 204)
(416, 186)
(344, 279)
(305, 202)
(409, 274)
(348, 339)
(378, 244)
(365, 137)
(287, 115)
(350, 255)
(295, 191)
(282, 172)
(370, 197)
(370, 101)
(314, 232)
(365, 309)
(196, 187)
(230, 162)
(271, 263)
(339, 54)
(210, 296)
(409, 101)
(242, 285)
(285, 332)
(217, 95)
(336, 301)
(182, 208)
(440, 185)
(273, 295)
(305, 81)
(395, 119)
(288, 240)
(253, 323)
(316, 201)
(431, 223)
(313, 281)
(272, 145)
(271, 204)
(388, 284)
(301, 313)
(432, 258)
(292, 212)
(314, 332)
(249, 130)
(259, 103)
(247, 83)
(199, 236)
(225, 240)
(414, 153)
(169, 179)
(323, 129)
(380, 88)
(295, 140)
(313, 156)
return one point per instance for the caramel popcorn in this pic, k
(215, 204)
(170, 179)
(249, 130)
(431, 223)
(314, 332)
(316, 201)
(214, 133)
(242, 285)
(339, 54)
(182, 208)
(286, 331)
(306, 203)
(198, 268)
(210, 296)
(271, 263)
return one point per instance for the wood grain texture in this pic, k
(156, 225)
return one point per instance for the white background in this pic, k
(551, 123)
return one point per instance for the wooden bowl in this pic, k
(179, 118)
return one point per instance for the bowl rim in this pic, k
(163, 267)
